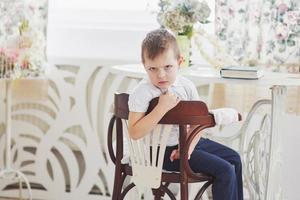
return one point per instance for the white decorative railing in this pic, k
(60, 144)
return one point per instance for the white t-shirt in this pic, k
(145, 91)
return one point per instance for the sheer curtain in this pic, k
(259, 32)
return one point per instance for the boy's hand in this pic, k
(168, 100)
(176, 153)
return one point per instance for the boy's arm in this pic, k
(195, 140)
(140, 124)
(176, 153)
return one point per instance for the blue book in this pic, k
(241, 72)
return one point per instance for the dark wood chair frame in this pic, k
(185, 113)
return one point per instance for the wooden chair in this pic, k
(185, 113)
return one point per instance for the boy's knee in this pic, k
(237, 162)
(227, 173)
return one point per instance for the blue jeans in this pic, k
(217, 160)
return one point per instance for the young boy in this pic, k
(161, 59)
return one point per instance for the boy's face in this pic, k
(162, 70)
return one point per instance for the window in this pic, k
(102, 13)
(107, 14)
(99, 26)
(105, 5)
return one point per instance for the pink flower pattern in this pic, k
(282, 8)
(263, 30)
(22, 38)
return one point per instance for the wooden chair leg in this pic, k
(117, 185)
(158, 193)
(157, 197)
(184, 191)
(126, 190)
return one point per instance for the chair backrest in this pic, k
(147, 153)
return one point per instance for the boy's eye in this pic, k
(152, 68)
(168, 67)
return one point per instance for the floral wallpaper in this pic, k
(22, 36)
(261, 32)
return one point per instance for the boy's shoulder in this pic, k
(141, 95)
(190, 90)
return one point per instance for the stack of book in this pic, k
(241, 72)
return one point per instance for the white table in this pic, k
(277, 82)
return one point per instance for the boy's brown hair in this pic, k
(158, 41)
